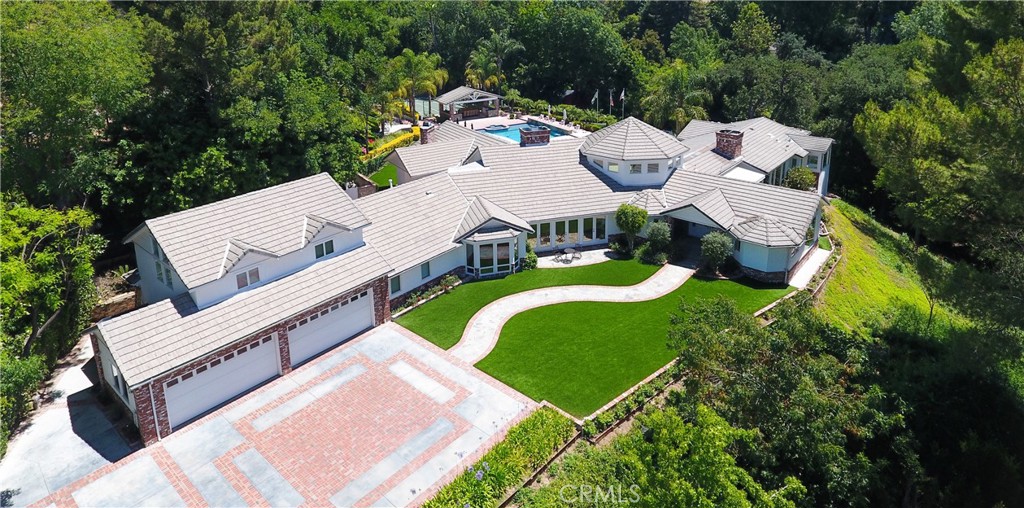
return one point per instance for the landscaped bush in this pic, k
(526, 447)
(659, 241)
(630, 219)
(715, 249)
(801, 178)
(530, 261)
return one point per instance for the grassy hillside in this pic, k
(876, 276)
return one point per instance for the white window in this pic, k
(812, 161)
(396, 285)
(167, 277)
(613, 167)
(600, 163)
(324, 249)
(652, 167)
(159, 270)
(634, 169)
(425, 270)
(248, 278)
(156, 248)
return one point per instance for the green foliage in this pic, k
(47, 294)
(659, 242)
(530, 261)
(630, 219)
(71, 70)
(674, 93)
(797, 383)
(715, 249)
(486, 65)
(753, 33)
(418, 73)
(801, 178)
(526, 447)
(667, 459)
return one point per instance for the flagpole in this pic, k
(610, 94)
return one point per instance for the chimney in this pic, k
(534, 135)
(425, 130)
(729, 143)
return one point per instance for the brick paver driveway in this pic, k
(381, 421)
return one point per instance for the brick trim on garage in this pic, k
(149, 420)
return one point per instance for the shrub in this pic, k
(801, 178)
(659, 242)
(526, 447)
(620, 249)
(715, 248)
(530, 261)
(448, 282)
(630, 219)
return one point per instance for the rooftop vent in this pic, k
(729, 143)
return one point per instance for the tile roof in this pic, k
(450, 131)
(631, 139)
(812, 143)
(767, 231)
(713, 204)
(161, 336)
(542, 182)
(434, 157)
(414, 221)
(766, 143)
(270, 219)
(480, 211)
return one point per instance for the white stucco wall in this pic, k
(272, 268)
(108, 366)
(152, 289)
(412, 279)
(765, 259)
(643, 178)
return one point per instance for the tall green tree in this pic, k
(674, 94)
(71, 69)
(498, 48)
(418, 73)
(752, 32)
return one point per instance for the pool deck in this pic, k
(482, 123)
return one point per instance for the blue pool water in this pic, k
(512, 132)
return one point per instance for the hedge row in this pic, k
(526, 447)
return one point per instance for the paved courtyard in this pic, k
(381, 421)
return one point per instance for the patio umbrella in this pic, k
(549, 110)
(563, 116)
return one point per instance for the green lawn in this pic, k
(874, 277)
(824, 243)
(443, 319)
(581, 355)
(381, 177)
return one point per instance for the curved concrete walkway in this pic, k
(484, 328)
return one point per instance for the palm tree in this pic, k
(675, 92)
(418, 73)
(481, 71)
(498, 47)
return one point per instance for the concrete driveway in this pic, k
(67, 438)
(381, 421)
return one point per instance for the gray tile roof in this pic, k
(159, 337)
(463, 92)
(766, 143)
(812, 143)
(480, 211)
(652, 200)
(415, 221)
(542, 182)
(434, 157)
(631, 139)
(450, 131)
(270, 219)
(787, 212)
(713, 204)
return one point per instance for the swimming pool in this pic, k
(512, 132)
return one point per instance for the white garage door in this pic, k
(221, 380)
(335, 325)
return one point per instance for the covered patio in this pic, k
(464, 103)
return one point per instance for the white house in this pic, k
(242, 290)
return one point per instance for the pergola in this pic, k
(466, 102)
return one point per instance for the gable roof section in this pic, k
(271, 218)
(465, 93)
(481, 211)
(236, 250)
(414, 221)
(793, 209)
(423, 160)
(161, 336)
(766, 143)
(812, 143)
(630, 140)
(652, 200)
(713, 204)
(542, 182)
(314, 224)
(450, 131)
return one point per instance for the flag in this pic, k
(567, 93)
(611, 99)
(622, 96)
(593, 102)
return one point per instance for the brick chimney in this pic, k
(425, 130)
(729, 143)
